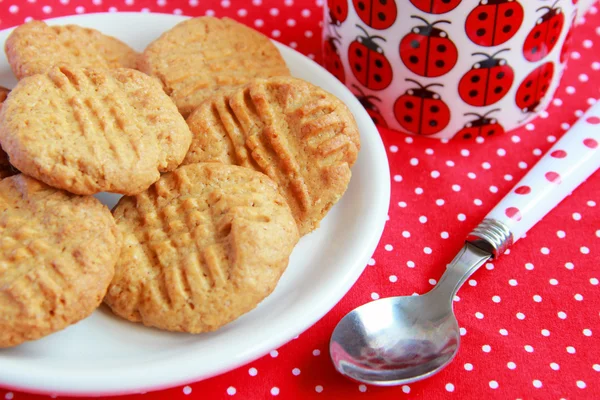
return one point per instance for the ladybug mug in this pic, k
(449, 68)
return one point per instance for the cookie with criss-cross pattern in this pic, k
(302, 137)
(202, 55)
(89, 130)
(202, 246)
(34, 47)
(57, 258)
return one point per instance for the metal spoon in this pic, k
(399, 340)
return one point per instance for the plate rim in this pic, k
(18, 380)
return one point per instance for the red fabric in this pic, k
(538, 309)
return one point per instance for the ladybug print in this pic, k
(372, 109)
(421, 111)
(436, 6)
(482, 126)
(368, 63)
(378, 14)
(487, 82)
(544, 36)
(332, 59)
(338, 11)
(494, 22)
(535, 86)
(428, 51)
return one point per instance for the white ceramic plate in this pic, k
(104, 355)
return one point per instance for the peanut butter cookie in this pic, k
(202, 246)
(201, 55)
(302, 137)
(89, 130)
(57, 258)
(34, 47)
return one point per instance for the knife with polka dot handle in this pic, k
(562, 169)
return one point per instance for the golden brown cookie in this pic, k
(34, 47)
(57, 257)
(204, 245)
(302, 137)
(202, 55)
(5, 168)
(91, 130)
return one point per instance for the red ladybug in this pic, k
(482, 126)
(427, 51)
(535, 86)
(544, 36)
(368, 63)
(494, 22)
(422, 111)
(338, 11)
(436, 6)
(372, 109)
(378, 14)
(487, 82)
(332, 59)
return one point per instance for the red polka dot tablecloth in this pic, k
(530, 321)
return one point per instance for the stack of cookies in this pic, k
(224, 161)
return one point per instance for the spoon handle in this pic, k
(568, 163)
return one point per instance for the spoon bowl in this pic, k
(396, 340)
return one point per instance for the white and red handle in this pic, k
(568, 163)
